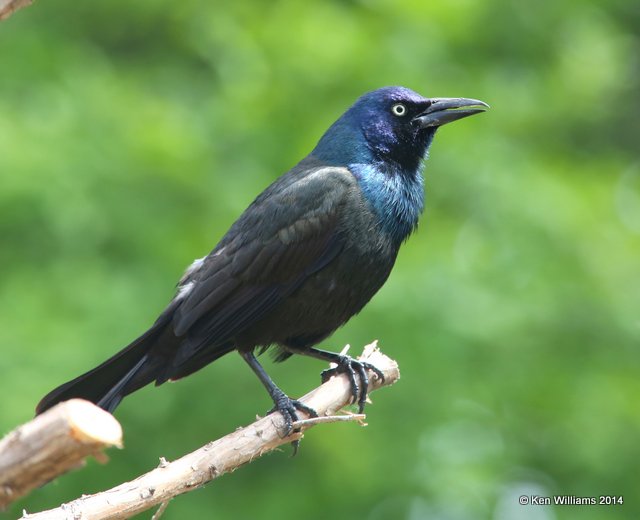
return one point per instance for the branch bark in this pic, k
(53, 443)
(8, 7)
(216, 458)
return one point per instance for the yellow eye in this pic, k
(399, 109)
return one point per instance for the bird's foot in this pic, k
(289, 409)
(351, 367)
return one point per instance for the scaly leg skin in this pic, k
(345, 365)
(288, 408)
(284, 404)
(350, 366)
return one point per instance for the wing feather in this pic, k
(286, 235)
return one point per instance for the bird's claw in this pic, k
(288, 408)
(350, 366)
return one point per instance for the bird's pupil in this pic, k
(399, 109)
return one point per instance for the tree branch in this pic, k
(8, 7)
(53, 443)
(216, 458)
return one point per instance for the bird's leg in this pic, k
(344, 365)
(283, 403)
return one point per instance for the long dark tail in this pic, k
(149, 358)
(118, 376)
(133, 367)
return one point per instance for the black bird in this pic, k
(306, 255)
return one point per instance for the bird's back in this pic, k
(310, 246)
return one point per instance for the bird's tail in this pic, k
(132, 368)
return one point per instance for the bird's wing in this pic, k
(290, 232)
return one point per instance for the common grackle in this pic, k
(306, 255)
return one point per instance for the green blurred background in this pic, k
(132, 134)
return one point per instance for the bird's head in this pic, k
(391, 125)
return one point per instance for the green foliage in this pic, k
(133, 133)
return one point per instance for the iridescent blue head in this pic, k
(383, 139)
(393, 126)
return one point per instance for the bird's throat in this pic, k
(396, 197)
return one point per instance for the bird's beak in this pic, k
(444, 110)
